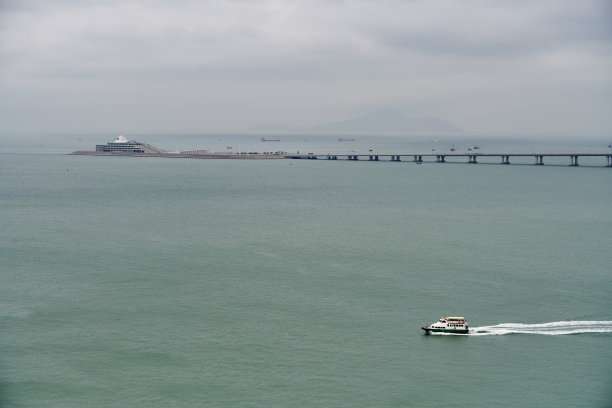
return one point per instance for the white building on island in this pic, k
(122, 145)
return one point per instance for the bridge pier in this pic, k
(332, 157)
(441, 158)
(418, 159)
(574, 160)
(373, 158)
(472, 159)
(395, 158)
(608, 161)
(505, 159)
(539, 160)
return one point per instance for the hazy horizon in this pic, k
(135, 66)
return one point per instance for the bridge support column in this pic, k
(395, 158)
(505, 159)
(608, 161)
(472, 159)
(539, 160)
(574, 160)
(440, 158)
(418, 159)
(375, 158)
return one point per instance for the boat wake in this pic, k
(548, 329)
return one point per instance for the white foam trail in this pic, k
(548, 329)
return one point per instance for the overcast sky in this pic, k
(136, 66)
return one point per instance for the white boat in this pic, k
(448, 324)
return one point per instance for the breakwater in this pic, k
(242, 156)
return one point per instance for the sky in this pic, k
(184, 66)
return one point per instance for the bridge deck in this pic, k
(471, 156)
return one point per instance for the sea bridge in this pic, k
(470, 157)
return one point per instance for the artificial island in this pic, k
(124, 147)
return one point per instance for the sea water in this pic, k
(139, 282)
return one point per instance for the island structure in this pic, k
(121, 146)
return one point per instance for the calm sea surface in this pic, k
(147, 282)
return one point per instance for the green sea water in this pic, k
(146, 282)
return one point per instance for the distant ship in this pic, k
(263, 139)
(341, 139)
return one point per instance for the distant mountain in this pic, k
(387, 120)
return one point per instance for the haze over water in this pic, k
(187, 283)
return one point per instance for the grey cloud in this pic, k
(129, 34)
(328, 56)
(493, 32)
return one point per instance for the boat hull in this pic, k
(429, 330)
